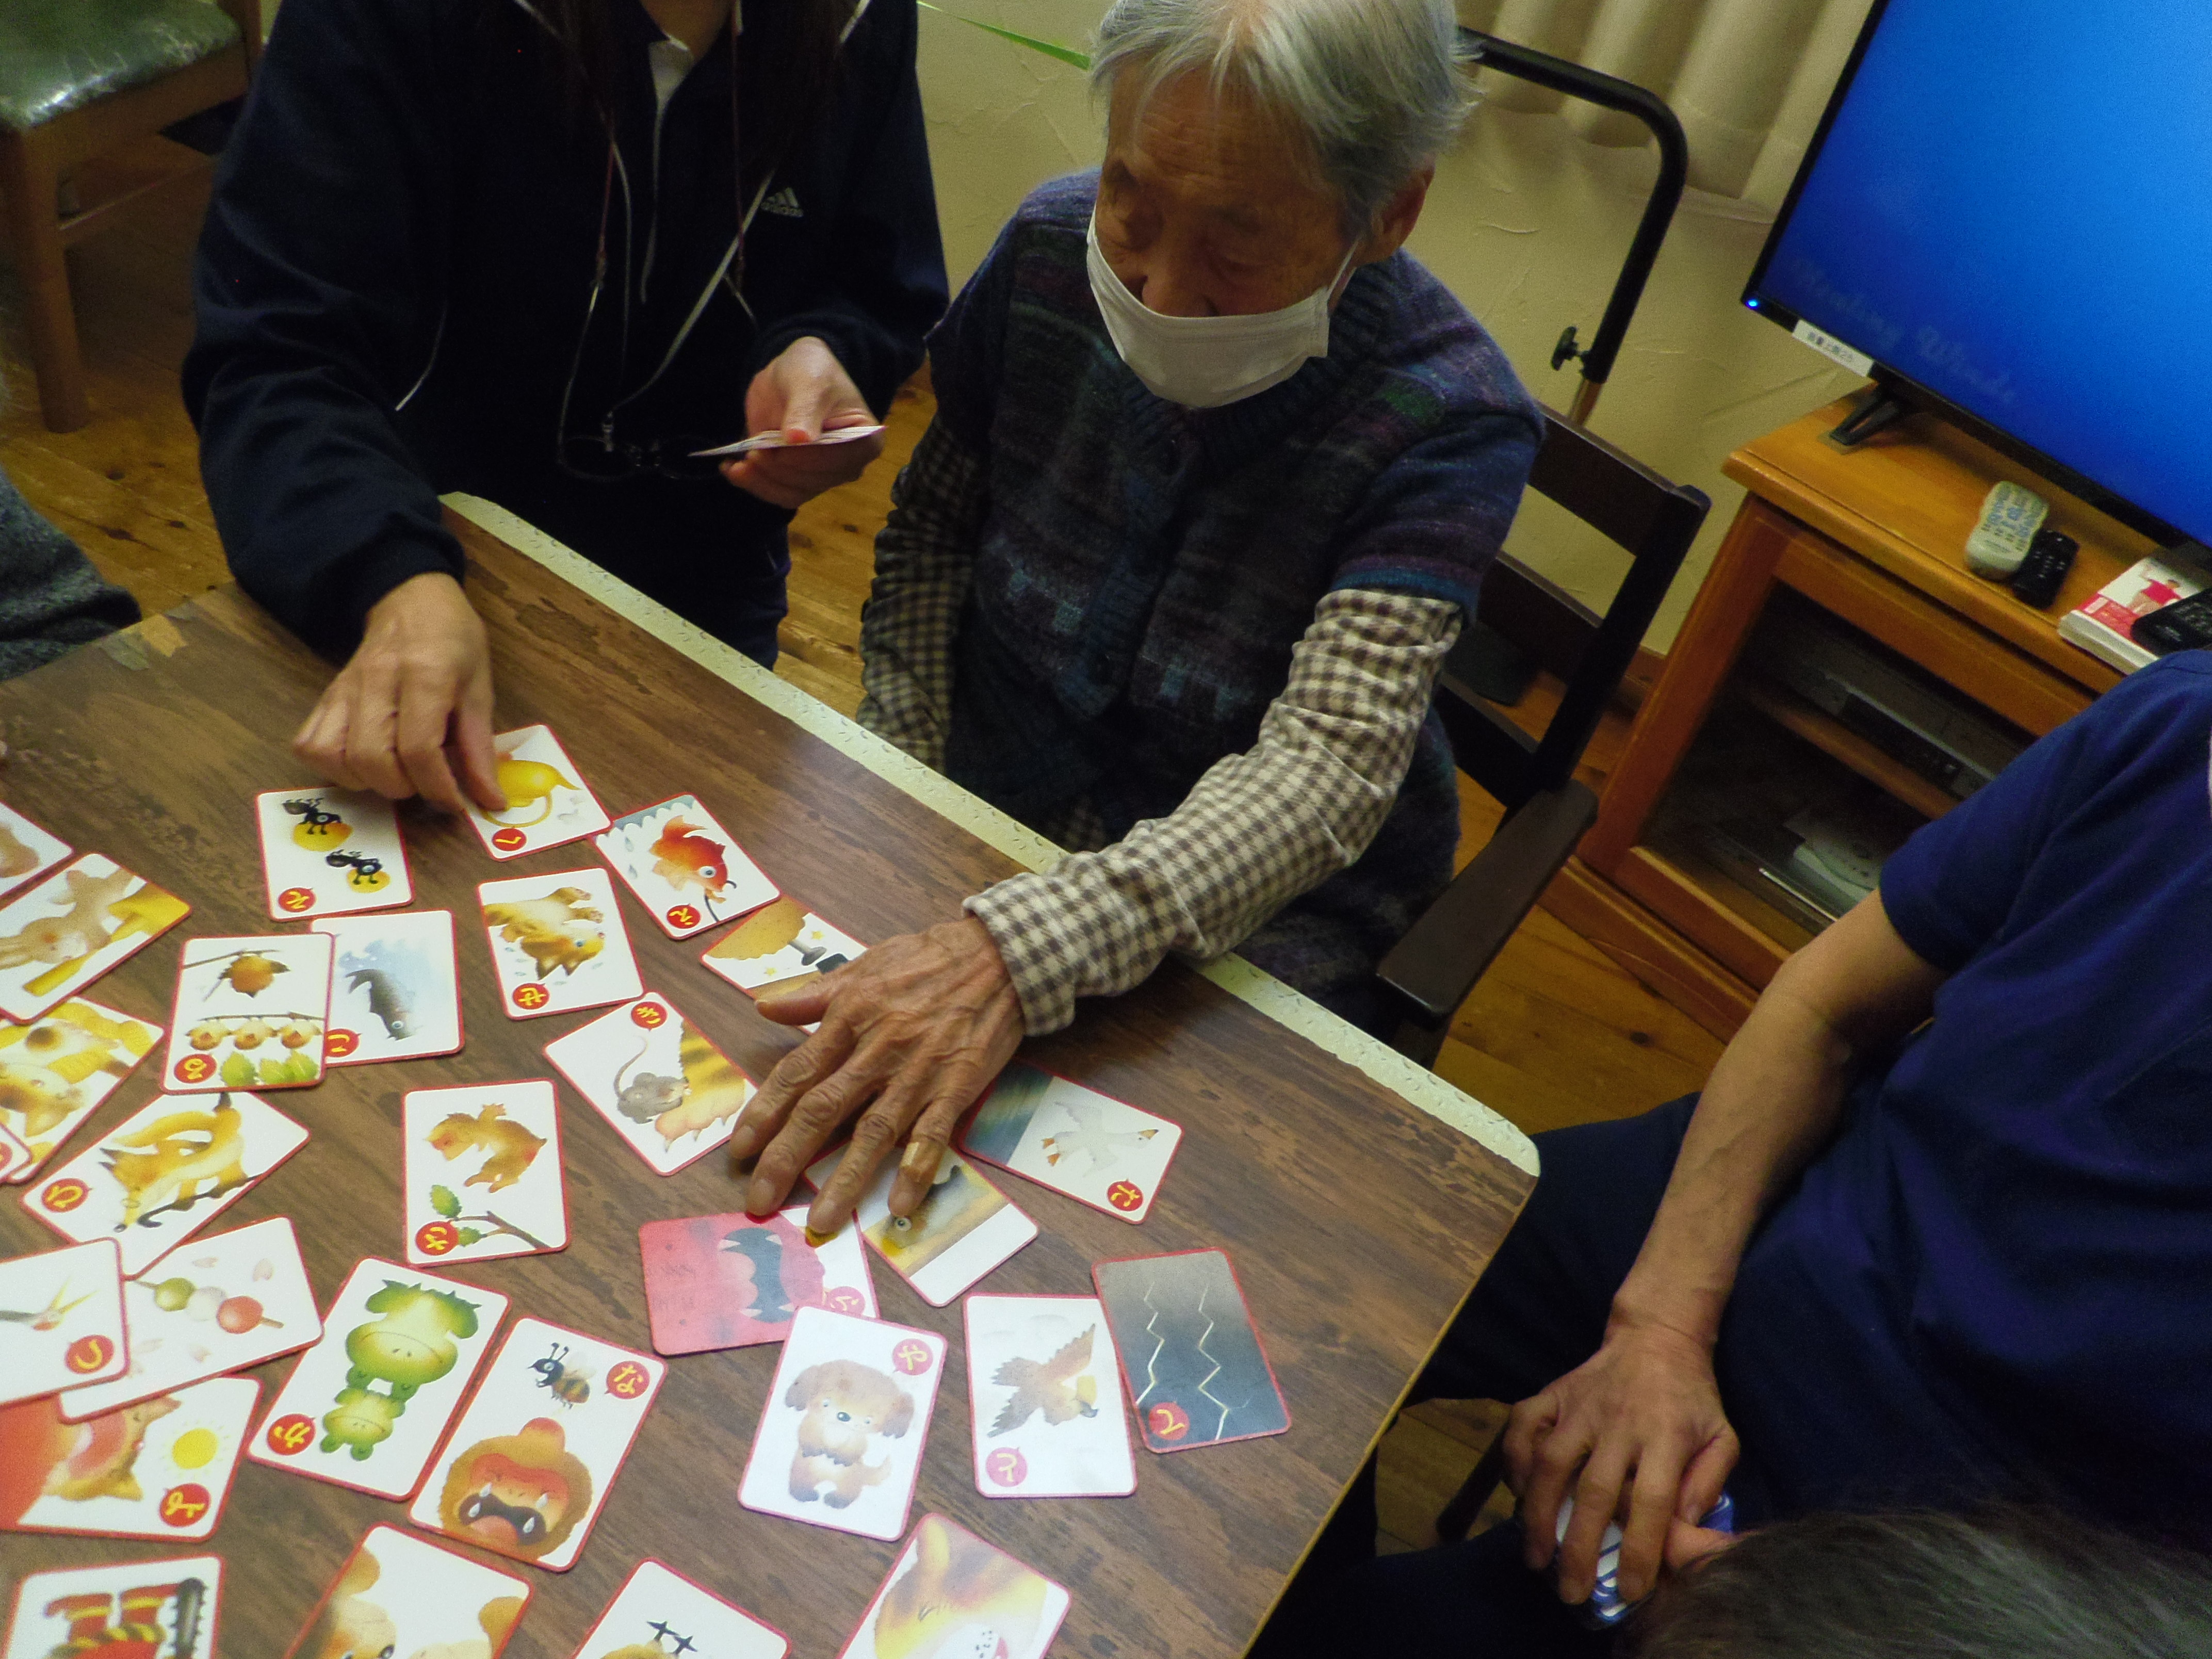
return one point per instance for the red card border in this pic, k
(453, 949)
(590, 794)
(655, 1561)
(123, 1336)
(62, 996)
(9, 1137)
(560, 1166)
(968, 1118)
(29, 1172)
(170, 1086)
(399, 831)
(12, 886)
(868, 1243)
(623, 1008)
(1130, 1388)
(867, 1273)
(315, 1612)
(221, 1500)
(599, 846)
(754, 995)
(212, 1630)
(975, 1384)
(614, 904)
(898, 1561)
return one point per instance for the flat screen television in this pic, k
(2008, 210)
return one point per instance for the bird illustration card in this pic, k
(670, 1093)
(529, 1464)
(55, 1072)
(250, 1013)
(164, 1172)
(72, 928)
(548, 802)
(157, 1468)
(780, 944)
(733, 1280)
(61, 1319)
(557, 944)
(961, 1229)
(25, 850)
(950, 1593)
(659, 1611)
(165, 1607)
(327, 852)
(684, 867)
(408, 1597)
(1045, 1399)
(14, 1154)
(480, 1172)
(840, 1440)
(394, 991)
(1072, 1140)
(1190, 1354)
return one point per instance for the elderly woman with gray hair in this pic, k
(1216, 473)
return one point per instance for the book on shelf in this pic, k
(2104, 624)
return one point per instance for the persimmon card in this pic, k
(250, 1013)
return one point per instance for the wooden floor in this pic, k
(1556, 1033)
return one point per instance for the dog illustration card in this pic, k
(557, 944)
(327, 852)
(780, 944)
(731, 1281)
(26, 851)
(394, 995)
(159, 1467)
(1190, 1354)
(72, 928)
(659, 1611)
(250, 1013)
(164, 1172)
(528, 1466)
(687, 870)
(61, 1319)
(54, 1072)
(1045, 1399)
(951, 1593)
(961, 1229)
(547, 802)
(405, 1596)
(840, 1440)
(481, 1172)
(1072, 1140)
(670, 1093)
(165, 1608)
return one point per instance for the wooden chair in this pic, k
(78, 80)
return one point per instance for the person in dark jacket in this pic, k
(541, 251)
(51, 600)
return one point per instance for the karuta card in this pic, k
(164, 1172)
(72, 928)
(951, 1593)
(328, 852)
(670, 1093)
(528, 1466)
(365, 1407)
(55, 1071)
(14, 1156)
(684, 867)
(659, 1611)
(165, 1608)
(405, 1596)
(250, 1013)
(1073, 1139)
(840, 1440)
(962, 1229)
(61, 1319)
(557, 944)
(731, 1281)
(480, 1172)
(1045, 1399)
(159, 1468)
(25, 850)
(394, 995)
(1196, 1373)
(547, 802)
(780, 944)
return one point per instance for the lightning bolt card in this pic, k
(1197, 1374)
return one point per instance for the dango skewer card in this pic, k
(557, 944)
(480, 1172)
(326, 851)
(684, 867)
(394, 992)
(250, 1013)
(547, 802)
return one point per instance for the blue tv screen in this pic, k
(2010, 207)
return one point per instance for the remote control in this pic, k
(2010, 518)
(2184, 625)
(2050, 557)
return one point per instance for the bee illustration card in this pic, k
(840, 1440)
(250, 1013)
(25, 850)
(659, 1611)
(405, 1596)
(1072, 1140)
(780, 944)
(1190, 1354)
(962, 1229)
(393, 991)
(951, 1593)
(684, 867)
(55, 1072)
(326, 851)
(481, 1172)
(547, 802)
(1045, 1400)
(365, 1406)
(557, 944)
(657, 1078)
(61, 1319)
(166, 1608)
(71, 928)
(157, 1468)
(164, 1172)
(731, 1281)
(528, 1466)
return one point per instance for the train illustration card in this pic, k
(950, 1593)
(687, 870)
(548, 802)
(164, 1172)
(25, 850)
(481, 1172)
(159, 1468)
(250, 1013)
(55, 1071)
(75, 926)
(410, 1598)
(961, 1229)
(529, 1465)
(328, 852)
(365, 1407)
(670, 1093)
(61, 1319)
(1190, 1354)
(557, 944)
(394, 994)
(840, 1440)
(14, 1155)
(1045, 1399)
(165, 1609)
(780, 944)
(659, 1611)
(733, 1280)
(1075, 1140)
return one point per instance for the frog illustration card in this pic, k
(25, 850)
(1045, 1399)
(547, 802)
(731, 1281)
(1072, 1140)
(687, 870)
(405, 1596)
(55, 1071)
(659, 1611)
(780, 944)
(326, 851)
(394, 992)
(481, 1172)
(165, 1607)
(557, 944)
(528, 1466)
(157, 1468)
(61, 1319)
(949, 1592)
(1190, 1354)
(365, 1407)
(962, 1229)
(670, 1093)
(72, 928)
(250, 1013)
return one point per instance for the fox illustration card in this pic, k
(668, 1092)
(393, 991)
(731, 1281)
(157, 1468)
(250, 1013)
(547, 802)
(72, 928)
(557, 942)
(481, 1172)
(55, 1071)
(951, 1593)
(686, 869)
(326, 851)
(1045, 1399)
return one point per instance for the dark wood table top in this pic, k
(1358, 1223)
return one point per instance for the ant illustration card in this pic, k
(670, 1093)
(365, 1406)
(326, 851)
(250, 1013)
(951, 1593)
(557, 944)
(404, 1596)
(684, 867)
(61, 1319)
(1190, 1354)
(547, 802)
(527, 1467)
(840, 1440)
(25, 850)
(732, 1281)
(962, 1229)
(164, 1172)
(1045, 1399)
(481, 1172)
(1072, 1140)
(71, 928)
(780, 944)
(166, 1608)
(157, 1468)
(55, 1072)
(394, 995)
(659, 1611)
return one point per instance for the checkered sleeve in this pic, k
(1259, 829)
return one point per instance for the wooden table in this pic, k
(1357, 1222)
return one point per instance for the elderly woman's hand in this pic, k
(804, 393)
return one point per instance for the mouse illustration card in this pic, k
(250, 1013)
(949, 1592)
(1191, 1356)
(326, 851)
(659, 1611)
(1073, 1139)
(732, 1281)
(159, 1468)
(780, 944)
(404, 1596)
(841, 1438)
(481, 1172)
(56, 1070)
(557, 944)
(528, 1467)
(166, 1608)
(1045, 1399)
(547, 802)
(962, 1229)
(72, 928)
(394, 992)
(26, 852)
(61, 1319)
(687, 870)
(669, 1092)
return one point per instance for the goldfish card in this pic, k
(404, 1596)
(951, 1593)
(71, 928)
(548, 803)
(55, 1072)
(684, 867)
(528, 1466)
(159, 1468)
(657, 1078)
(962, 1229)
(662, 1611)
(731, 1281)
(1190, 1354)
(165, 1606)
(557, 944)
(250, 1013)
(1072, 1140)
(326, 851)
(1045, 1399)
(394, 995)
(61, 1319)
(25, 850)
(481, 1172)
(781, 944)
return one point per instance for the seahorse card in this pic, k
(734, 1280)
(659, 1611)
(1075, 1140)
(686, 869)
(548, 802)
(481, 1172)
(405, 1596)
(780, 944)
(25, 850)
(72, 928)
(962, 1229)
(61, 1319)
(327, 852)
(55, 1071)
(394, 991)
(1190, 1354)
(159, 1467)
(557, 944)
(250, 1013)
(951, 1593)
(1045, 1399)
(167, 1607)
(669, 1092)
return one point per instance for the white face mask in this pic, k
(1203, 362)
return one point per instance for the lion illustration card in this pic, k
(557, 944)
(659, 1614)
(403, 1596)
(55, 1072)
(480, 1172)
(164, 1607)
(950, 1593)
(159, 1467)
